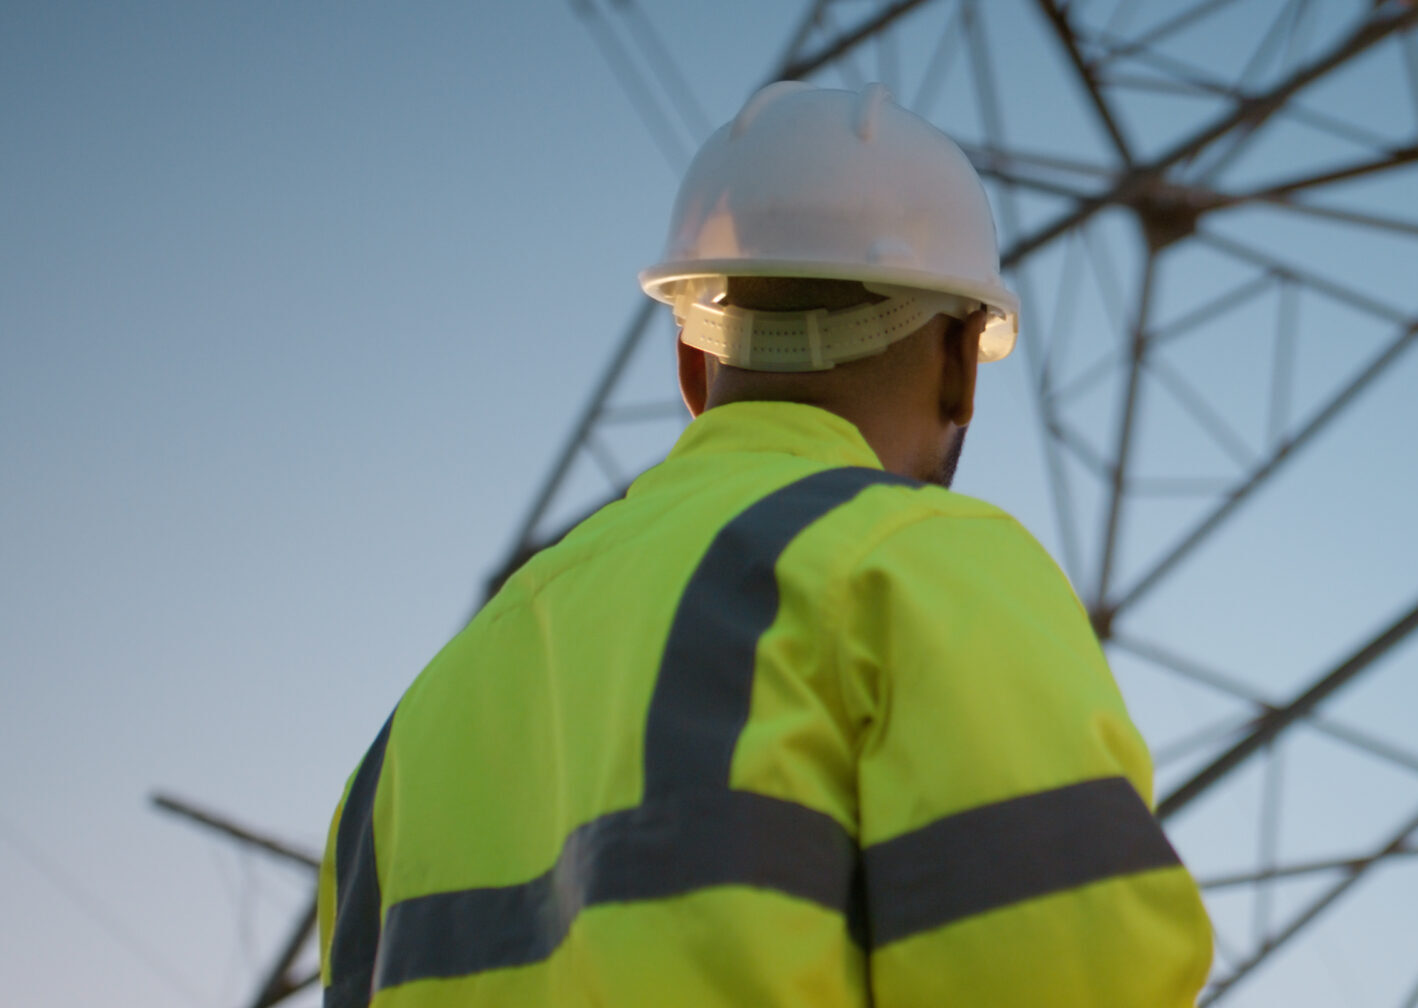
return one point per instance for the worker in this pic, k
(790, 724)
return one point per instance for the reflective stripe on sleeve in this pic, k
(1014, 850)
(355, 938)
(665, 847)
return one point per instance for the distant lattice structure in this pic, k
(1212, 218)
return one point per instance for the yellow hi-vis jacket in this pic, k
(777, 729)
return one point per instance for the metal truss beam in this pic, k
(796, 67)
(1058, 19)
(278, 983)
(1273, 722)
(1353, 874)
(1249, 112)
(1238, 494)
(525, 543)
(1307, 868)
(241, 834)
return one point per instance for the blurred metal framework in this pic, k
(1169, 189)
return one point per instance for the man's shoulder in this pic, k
(928, 527)
(899, 504)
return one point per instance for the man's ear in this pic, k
(962, 362)
(693, 377)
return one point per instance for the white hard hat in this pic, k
(837, 185)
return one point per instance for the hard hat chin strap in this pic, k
(811, 340)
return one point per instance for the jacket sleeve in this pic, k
(349, 900)
(1010, 854)
(325, 892)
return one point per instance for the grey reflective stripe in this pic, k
(691, 831)
(702, 694)
(357, 899)
(997, 855)
(668, 846)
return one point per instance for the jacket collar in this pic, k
(777, 427)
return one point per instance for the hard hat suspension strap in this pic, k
(810, 340)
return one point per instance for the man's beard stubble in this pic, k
(945, 471)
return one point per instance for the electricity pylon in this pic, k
(1210, 210)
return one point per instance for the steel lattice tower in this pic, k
(1211, 192)
(1211, 216)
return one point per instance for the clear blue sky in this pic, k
(297, 301)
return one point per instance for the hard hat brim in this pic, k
(662, 281)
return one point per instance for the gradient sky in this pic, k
(297, 302)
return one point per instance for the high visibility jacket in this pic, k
(776, 729)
